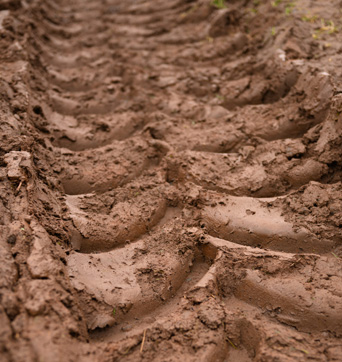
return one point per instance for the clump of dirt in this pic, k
(170, 180)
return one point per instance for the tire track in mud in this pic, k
(181, 148)
(80, 265)
(61, 105)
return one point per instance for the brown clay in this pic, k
(170, 181)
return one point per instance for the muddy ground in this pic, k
(170, 180)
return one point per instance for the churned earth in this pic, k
(170, 180)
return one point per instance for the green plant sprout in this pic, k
(289, 8)
(327, 27)
(289, 5)
(218, 4)
(309, 18)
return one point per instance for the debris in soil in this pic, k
(170, 180)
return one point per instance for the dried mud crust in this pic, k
(170, 181)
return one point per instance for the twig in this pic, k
(18, 188)
(233, 345)
(143, 341)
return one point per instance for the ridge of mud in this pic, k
(170, 181)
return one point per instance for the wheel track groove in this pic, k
(178, 146)
(260, 237)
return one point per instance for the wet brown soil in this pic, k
(170, 180)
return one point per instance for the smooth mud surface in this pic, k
(170, 180)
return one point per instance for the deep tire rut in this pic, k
(189, 177)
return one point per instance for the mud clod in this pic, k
(170, 180)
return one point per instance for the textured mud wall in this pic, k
(170, 180)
